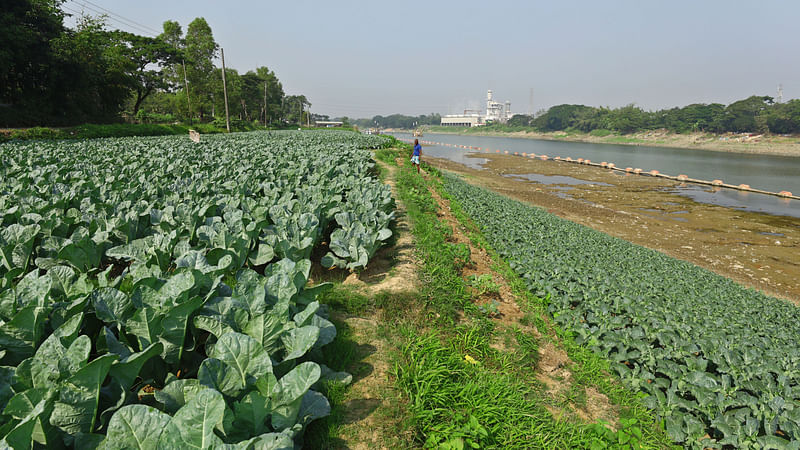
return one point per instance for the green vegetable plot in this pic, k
(718, 363)
(153, 291)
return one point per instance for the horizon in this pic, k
(358, 59)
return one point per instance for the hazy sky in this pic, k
(362, 58)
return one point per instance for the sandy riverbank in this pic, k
(728, 142)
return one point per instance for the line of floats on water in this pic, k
(607, 165)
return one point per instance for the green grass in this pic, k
(587, 369)
(93, 131)
(341, 355)
(466, 381)
(600, 133)
(460, 388)
(625, 140)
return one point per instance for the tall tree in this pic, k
(274, 94)
(200, 51)
(27, 29)
(292, 107)
(143, 59)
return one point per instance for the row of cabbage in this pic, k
(153, 291)
(718, 363)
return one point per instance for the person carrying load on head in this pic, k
(417, 153)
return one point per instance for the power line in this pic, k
(115, 17)
(152, 30)
(119, 19)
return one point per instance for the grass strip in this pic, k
(587, 368)
(462, 390)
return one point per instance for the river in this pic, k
(765, 172)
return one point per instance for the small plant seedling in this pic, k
(483, 284)
(490, 309)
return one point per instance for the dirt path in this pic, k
(554, 368)
(757, 250)
(371, 401)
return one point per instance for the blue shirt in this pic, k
(417, 149)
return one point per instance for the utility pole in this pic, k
(530, 104)
(186, 87)
(225, 91)
(265, 103)
(300, 119)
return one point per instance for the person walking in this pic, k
(417, 154)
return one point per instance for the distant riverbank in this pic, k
(728, 142)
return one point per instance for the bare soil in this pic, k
(757, 250)
(371, 401)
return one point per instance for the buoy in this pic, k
(682, 177)
(653, 172)
(568, 159)
(532, 155)
(785, 194)
(516, 154)
(629, 169)
(505, 152)
(497, 151)
(637, 171)
(717, 183)
(587, 161)
(543, 157)
(744, 186)
(580, 160)
(524, 154)
(611, 165)
(603, 164)
(557, 158)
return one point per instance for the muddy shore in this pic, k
(728, 142)
(757, 250)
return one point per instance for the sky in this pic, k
(365, 58)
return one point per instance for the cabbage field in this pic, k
(153, 291)
(719, 364)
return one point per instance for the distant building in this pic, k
(328, 123)
(495, 112)
(462, 120)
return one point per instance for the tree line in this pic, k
(397, 121)
(755, 114)
(54, 75)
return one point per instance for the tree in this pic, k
(784, 118)
(144, 59)
(200, 50)
(520, 120)
(292, 105)
(742, 116)
(274, 94)
(27, 28)
(88, 80)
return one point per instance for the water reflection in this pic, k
(554, 179)
(746, 201)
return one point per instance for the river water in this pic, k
(766, 172)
